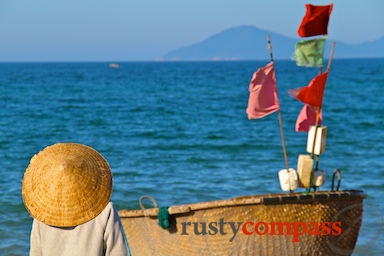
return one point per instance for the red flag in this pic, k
(315, 21)
(307, 118)
(313, 93)
(263, 93)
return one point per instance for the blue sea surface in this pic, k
(178, 131)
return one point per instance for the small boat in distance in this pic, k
(114, 65)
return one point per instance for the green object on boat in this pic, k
(163, 217)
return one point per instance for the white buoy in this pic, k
(321, 134)
(288, 179)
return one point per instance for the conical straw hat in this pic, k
(67, 184)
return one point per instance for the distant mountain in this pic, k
(249, 43)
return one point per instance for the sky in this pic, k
(144, 30)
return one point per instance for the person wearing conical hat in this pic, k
(67, 189)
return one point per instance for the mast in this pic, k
(279, 114)
(319, 108)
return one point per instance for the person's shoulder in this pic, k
(108, 211)
(110, 205)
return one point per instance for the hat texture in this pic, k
(67, 184)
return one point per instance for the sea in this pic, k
(178, 132)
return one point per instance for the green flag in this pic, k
(310, 53)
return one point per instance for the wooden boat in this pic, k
(309, 223)
(205, 228)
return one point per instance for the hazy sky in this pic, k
(127, 30)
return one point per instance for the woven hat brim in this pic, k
(67, 184)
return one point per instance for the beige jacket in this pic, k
(98, 237)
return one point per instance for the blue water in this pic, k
(179, 132)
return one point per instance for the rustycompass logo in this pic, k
(294, 229)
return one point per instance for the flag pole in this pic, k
(319, 108)
(279, 113)
(330, 56)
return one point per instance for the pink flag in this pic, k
(263, 94)
(306, 118)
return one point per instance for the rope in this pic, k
(310, 186)
(338, 172)
(163, 217)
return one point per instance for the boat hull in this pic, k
(275, 224)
